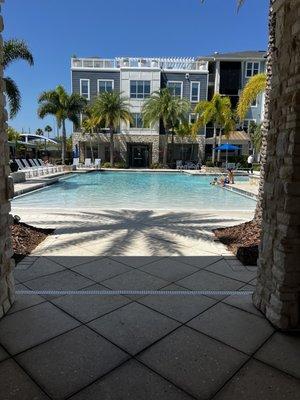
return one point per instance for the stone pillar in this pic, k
(278, 288)
(6, 190)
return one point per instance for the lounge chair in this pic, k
(29, 171)
(88, 163)
(98, 163)
(179, 164)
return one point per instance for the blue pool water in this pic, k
(136, 190)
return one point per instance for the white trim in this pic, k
(256, 103)
(181, 89)
(252, 68)
(199, 88)
(105, 80)
(140, 80)
(190, 115)
(89, 90)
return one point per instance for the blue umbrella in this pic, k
(227, 147)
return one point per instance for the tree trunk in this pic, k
(63, 143)
(165, 154)
(214, 144)
(91, 145)
(98, 146)
(266, 122)
(111, 147)
(219, 144)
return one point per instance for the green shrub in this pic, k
(120, 164)
(256, 167)
(106, 165)
(209, 164)
(156, 166)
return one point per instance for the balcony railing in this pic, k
(183, 63)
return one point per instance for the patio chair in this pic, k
(88, 163)
(29, 171)
(179, 164)
(98, 163)
(190, 165)
(76, 162)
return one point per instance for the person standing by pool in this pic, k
(250, 163)
(230, 175)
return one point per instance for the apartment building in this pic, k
(194, 78)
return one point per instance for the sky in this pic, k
(57, 29)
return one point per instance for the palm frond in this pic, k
(13, 96)
(255, 85)
(14, 50)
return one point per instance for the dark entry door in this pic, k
(139, 156)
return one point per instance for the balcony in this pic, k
(179, 63)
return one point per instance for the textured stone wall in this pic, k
(6, 192)
(121, 140)
(278, 289)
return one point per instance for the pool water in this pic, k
(136, 190)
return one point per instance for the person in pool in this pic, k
(214, 181)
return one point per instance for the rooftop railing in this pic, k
(183, 63)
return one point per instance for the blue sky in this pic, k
(57, 29)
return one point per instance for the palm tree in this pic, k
(218, 112)
(112, 109)
(255, 86)
(48, 129)
(256, 137)
(163, 106)
(14, 50)
(39, 132)
(89, 124)
(186, 130)
(64, 107)
(13, 136)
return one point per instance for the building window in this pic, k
(254, 102)
(175, 88)
(195, 92)
(252, 68)
(247, 123)
(85, 88)
(105, 85)
(193, 118)
(137, 121)
(139, 89)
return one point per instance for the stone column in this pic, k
(6, 190)
(278, 288)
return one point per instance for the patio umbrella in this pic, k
(227, 147)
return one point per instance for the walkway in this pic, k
(140, 347)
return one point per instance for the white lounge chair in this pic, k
(98, 163)
(179, 164)
(88, 163)
(29, 172)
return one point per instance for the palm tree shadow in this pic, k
(118, 231)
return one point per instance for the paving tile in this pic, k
(24, 301)
(42, 266)
(72, 261)
(198, 261)
(257, 381)
(194, 362)
(244, 302)
(3, 354)
(169, 269)
(234, 271)
(65, 280)
(136, 261)
(32, 326)
(283, 352)
(132, 381)
(16, 385)
(237, 328)
(133, 327)
(71, 361)
(181, 308)
(205, 280)
(135, 280)
(99, 270)
(89, 307)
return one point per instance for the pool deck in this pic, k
(140, 347)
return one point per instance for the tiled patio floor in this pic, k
(142, 347)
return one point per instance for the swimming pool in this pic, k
(136, 190)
